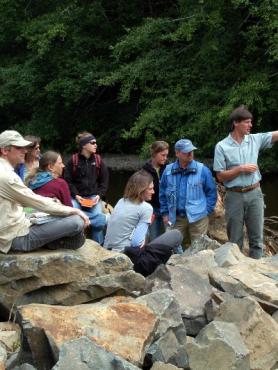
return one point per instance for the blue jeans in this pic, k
(157, 225)
(96, 216)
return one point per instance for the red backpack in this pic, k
(75, 159)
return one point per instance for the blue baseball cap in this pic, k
(184, 146)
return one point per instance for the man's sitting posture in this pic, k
(16, 231)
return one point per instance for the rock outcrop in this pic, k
(65, 277)
(211, 308)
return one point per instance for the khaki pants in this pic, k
(191, 231)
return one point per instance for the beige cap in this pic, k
(11, 137)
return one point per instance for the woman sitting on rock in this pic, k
(128, 226)
(46, 181)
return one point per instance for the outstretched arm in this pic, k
(274, 136)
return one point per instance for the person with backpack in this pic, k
(88, 179)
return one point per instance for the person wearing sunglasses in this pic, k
(32, 157)
(88, 179)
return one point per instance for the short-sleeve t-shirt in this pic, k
(125, 217)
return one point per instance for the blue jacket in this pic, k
(191, 191)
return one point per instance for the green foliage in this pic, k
(137, 71)
(192, 69)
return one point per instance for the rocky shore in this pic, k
(212, 308)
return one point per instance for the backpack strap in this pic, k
(74, 159)
(98, 163)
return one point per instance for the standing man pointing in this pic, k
(235, 163)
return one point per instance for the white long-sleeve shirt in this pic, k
(14, 195)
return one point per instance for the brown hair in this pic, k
(157, 147)
(49, 157)
(241, 113)
(80, 135)
(35, 140)
(136, 185)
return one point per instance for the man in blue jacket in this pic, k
(187, 193)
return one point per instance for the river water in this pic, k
(118, 180)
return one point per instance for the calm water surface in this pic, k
(118, 180)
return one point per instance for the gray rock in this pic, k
(3, 354)
(275, 316)
(248, 277)
(162, 366)
(201, 244)
(65, 276)
(218, 346)
(24, 367)
(228, 254)
(85, 354)
(191, 290)
(201, 262)
(258, 330)
(170, 336)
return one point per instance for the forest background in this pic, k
(134, 71)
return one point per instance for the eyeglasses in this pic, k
(93, 142)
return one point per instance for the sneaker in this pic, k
(68, 242)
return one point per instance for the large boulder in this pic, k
(201, 262)
(218, 346)
(192, 291)
(248, 277)
(201, 244)
(65, 277)
(120, 324)
(257, 328)
(170, 336)
(229, 254)
(85, 354)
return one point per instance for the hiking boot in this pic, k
(68, 242)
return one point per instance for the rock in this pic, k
(9, 336)
(201, 262)
(228, 254)
(218, 346)
(167, 349)
(24, 367)
(85, 354)
(162, 366)
(3, 357)
(201, 244)
(65, 277)
(191, 290)
(170, 336)
(250, 277)
(112, 323)
(258, 330)
(275, 316)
